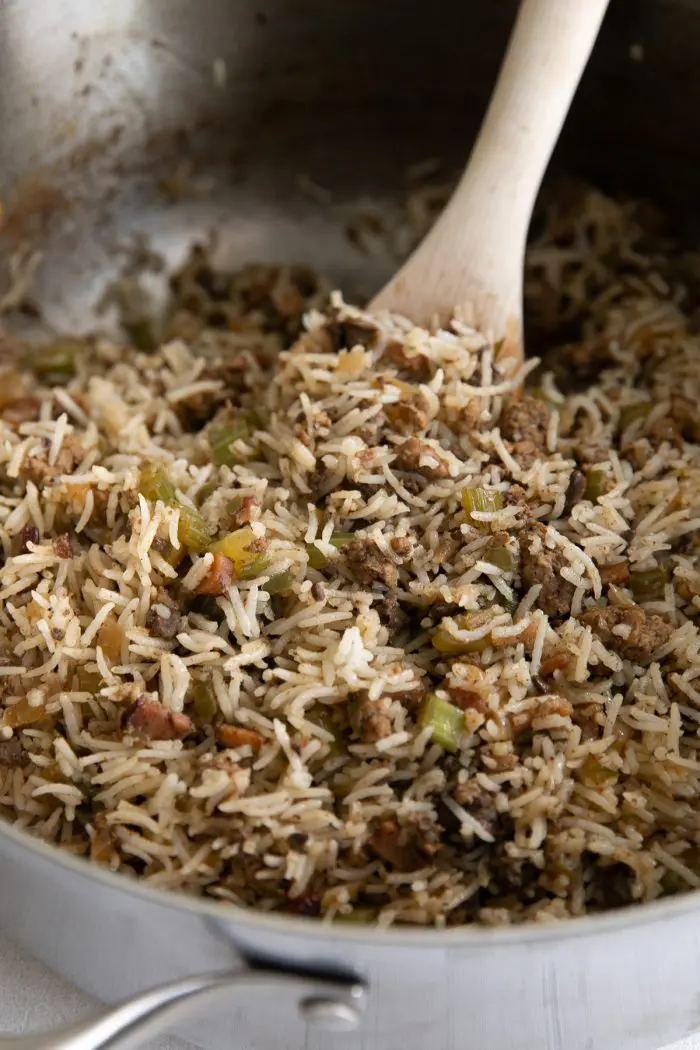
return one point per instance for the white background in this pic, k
(33, 1000)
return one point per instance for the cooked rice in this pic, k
(267, 746)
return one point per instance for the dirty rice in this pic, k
(256, 725)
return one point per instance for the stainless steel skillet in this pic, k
(100, 104)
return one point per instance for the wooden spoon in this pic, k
(473, 257)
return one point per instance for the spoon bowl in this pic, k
(472, 260)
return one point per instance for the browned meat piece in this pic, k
(238, 736)
(397, 846)
(685, 588)
(515, 496)
(402, 547)
(23, 410)
(519, 721)
(611, 886)
(575, 490)
(617, 573)
(246, 512)
(558, 661)
(580, 364)
(152, 720)
(287, 299)
(71, 453)
(305, 429)
(638, 453)
(525, 453)
(415, 365)
(320, 421)
(409, 696)
(229, 369)
(219, 577)
(647, 630)
(38, 470)
(421, 458)
(523, 425)
(405, 417)
(478, 803)
(368, 564)
(512, 875)
(349, 333)
(318, 483)
(29, 534)
(666, 429)
(303, 434)
(12, 752)
(466, 699)
(196, 411)
(103, 843)
(61, 546)
(161, 623)
(590, 449)
(551, 704)
(391, 614)
(498, 761)
(308, 905)
(525, 419)
(470, 418)
(373, 723)
(541, 565)
(685, 414)
(428, 834)
(100, 504)
(41, 473)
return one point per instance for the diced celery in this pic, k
(445, 720)
(596, 481)
(317, 559)
(649, 585)
(204, 701)
(23, 714)
(501, 557)
(55, 361)
(280, 583)
(110, 638)
(229, 426)
(141, 335)
(594, 774)
(89, 681)
(155, 484)
(192, 530)
(206, 491)
(173, 555)
(246, 552)
(480, 500)
(631, 413)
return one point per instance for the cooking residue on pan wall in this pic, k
(316, 612)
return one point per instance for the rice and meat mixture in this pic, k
(343, 623)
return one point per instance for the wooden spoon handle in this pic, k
(474, 253)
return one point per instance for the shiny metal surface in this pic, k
(330, 1005)
(629, 980)
(100, 106)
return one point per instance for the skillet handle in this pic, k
(333, 1003)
